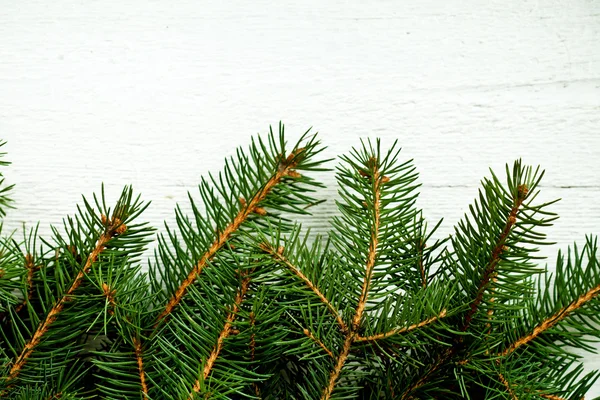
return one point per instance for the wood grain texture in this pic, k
(155, 95)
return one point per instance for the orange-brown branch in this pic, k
(352, 334)
(318, 342)
(509, 389)
(113, 228)
(364, 295)
(400, 330)
(278, 255)
(500, 247)
(139, 355)
(553, 320)
(285, 168)
(227, 328)
(31, 268)
(334, 375)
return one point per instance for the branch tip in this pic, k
(553, 320)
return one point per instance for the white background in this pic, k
(157, 93)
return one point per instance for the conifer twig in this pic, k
(509, 389)
(139, 355)
(370, 265)
(318, 342)
(553, 320)
(400, 330)
(500, 247)
(113, 228)
(247, 208)
(31, 268)
(283, 260)
(362, 301)
(110, 295)
(225, 332)
(488, 275)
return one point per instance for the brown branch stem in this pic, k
(139, 355)
(278, 255)
(490, 269)
(509, 389)
(352, 334)
(116, 227)
(225, 332)
(247, 208)
(31, 268)
(553, 320)
(400, 330)
(341, 360)
(318, 342)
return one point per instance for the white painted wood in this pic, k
(156, 94)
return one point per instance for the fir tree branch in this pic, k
(110, 295)
(506, 384)
(227, 330)
(284, 261)
(513, 396)
(284, 169)
(400, 330)
(31, 268)
(352, 334)
(362, 302)
(113, 227)
(130, 340)
(318, 342)
(341, 360)
(139, 355)
(490, 269)
(553, 320)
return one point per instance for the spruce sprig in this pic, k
(241, 302)
(47, 337)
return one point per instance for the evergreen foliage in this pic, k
(239, 301)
